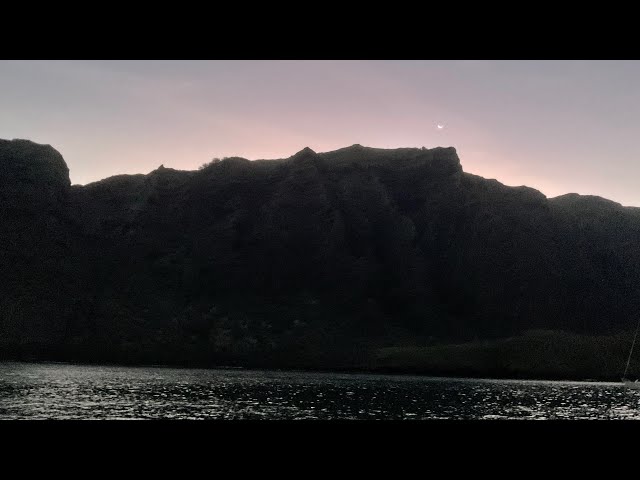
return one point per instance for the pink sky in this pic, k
(556, 126)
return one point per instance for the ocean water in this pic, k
(65, 391)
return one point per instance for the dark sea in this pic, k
(66, 391)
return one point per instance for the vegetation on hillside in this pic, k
(336, 260)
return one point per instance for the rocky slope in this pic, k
(314, 260)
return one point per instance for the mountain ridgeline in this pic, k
(318, 260)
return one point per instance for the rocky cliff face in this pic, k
(35, 239)
(307, 257)
(33, 178)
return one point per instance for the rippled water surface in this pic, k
(59, 391)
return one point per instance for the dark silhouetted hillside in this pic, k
(318, 260)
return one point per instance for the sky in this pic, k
(557, 126)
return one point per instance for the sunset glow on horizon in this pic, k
(556, 126)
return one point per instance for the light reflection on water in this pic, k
(59, 391)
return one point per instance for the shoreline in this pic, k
(311, 370)
(540, 355)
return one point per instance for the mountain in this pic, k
(319, 260)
